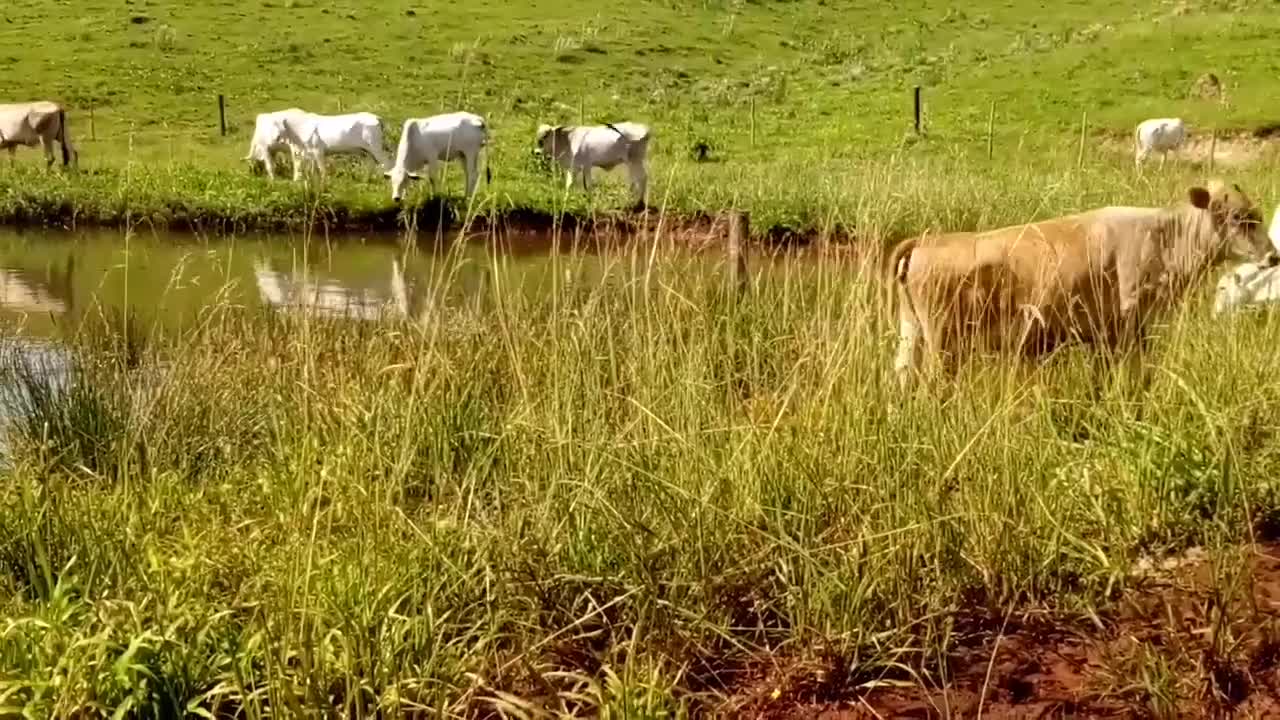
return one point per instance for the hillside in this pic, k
(829, 81)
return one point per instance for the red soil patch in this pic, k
(1177, 645)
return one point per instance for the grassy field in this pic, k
(801, 102)
(630, 494)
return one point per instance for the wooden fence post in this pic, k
(739, 233)
(1213, 147)
(752, 100)
(93, 128)
(991, 128)
(222, 115)
(1084, 124)
(917, 108)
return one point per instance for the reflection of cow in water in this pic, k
(292, 291)
(406, 296)
(45, 291)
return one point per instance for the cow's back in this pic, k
(1030, 286)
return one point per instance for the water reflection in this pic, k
(48, 291)
(299, 290)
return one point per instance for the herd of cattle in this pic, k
(1094, 277)
(428, 141)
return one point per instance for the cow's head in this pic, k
(548, 138)
(1237, 222)
(399, 181)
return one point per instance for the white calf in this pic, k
(435, 140)
(1157, 135)
(270, 136)
(579, 148)
(1248, 284)
(317, 136)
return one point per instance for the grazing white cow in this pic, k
(1157, 135)
(435, 140)
(270, 136)
(1248, 284)
(312, 137)
(579, 148)
(41, 123)
(322, 135)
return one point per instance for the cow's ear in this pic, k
(1199, 197)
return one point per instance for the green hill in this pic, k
(823, 88)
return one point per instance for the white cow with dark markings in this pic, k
(40, 123)
(1157, 135)
(439, 139)
(579, 148)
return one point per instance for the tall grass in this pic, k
(631, 494)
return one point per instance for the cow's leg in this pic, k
(585, 174)
(268, 164)
(1164, 154)
(296, 154)
(47, 145)
(318, 161)
(473, 173)
(13, 155)
(1139, 157)
(639, 180)
(433, 175)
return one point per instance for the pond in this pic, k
(49, 280)
(52, 281)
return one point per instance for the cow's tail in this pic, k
(898, 265)
(62, 137)
(484, 141)
(637, 144)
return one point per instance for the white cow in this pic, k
(311, 137)
(579, 148)
(352, 133)
(1248, 284)
(435, 140)
(1157, 135)
(270, 137)
(41, 123)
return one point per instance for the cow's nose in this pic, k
(395, 199)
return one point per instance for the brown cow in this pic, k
(1094, 277)
(36, 123)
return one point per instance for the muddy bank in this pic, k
(1180, 643)
(440, 218)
